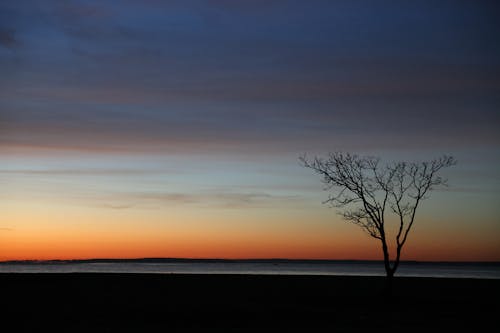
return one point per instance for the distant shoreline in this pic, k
(218, 260)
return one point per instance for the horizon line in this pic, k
(76, 260)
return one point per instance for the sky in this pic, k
(134, 129)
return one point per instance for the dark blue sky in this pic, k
(208, 72)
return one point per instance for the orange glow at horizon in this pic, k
(49, 230)
(53, 247)
(333, 241)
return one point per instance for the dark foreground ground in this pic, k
(242, 303)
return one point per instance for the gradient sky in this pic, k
(173, 128)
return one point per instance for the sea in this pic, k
(479, 270)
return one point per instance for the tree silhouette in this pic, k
(366, 190)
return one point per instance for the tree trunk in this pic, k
(389, 271)
(388, 288)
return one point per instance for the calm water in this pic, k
(453, 270)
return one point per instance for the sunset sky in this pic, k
(136, 129)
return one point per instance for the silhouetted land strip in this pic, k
(216, 260)
(182, 260)
(254, 303)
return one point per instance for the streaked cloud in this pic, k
(215, 198)
(79, 172)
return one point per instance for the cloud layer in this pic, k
(218, 75)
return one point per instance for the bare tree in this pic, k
(367, 190)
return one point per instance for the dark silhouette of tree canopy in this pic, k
(366, 191)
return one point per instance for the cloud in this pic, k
(476, 190)
(73, 11)
(113, 206)
(252, 127)
(8, 39)
(79, 172)
(204, 198)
